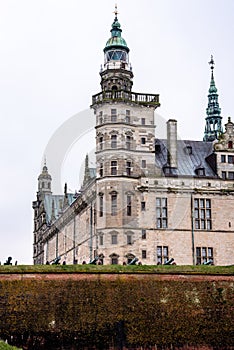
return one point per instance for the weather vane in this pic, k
(116, 10)
(211, 63)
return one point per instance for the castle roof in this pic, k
(191, 155)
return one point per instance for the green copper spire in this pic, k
(213, 126)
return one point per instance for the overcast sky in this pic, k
(50, 57)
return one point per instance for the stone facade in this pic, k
(151, 200)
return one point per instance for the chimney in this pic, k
(172, 142)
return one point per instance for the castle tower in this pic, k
(124, 148)
(213, 126)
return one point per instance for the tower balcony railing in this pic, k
(126, 96)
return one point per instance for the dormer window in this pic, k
(167, 170)
(200, 171)
(188, 150)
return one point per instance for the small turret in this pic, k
(213, 126)
(44, 181)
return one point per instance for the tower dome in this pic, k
(116, 49)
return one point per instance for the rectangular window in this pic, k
(101, 169)
(203, 255)
(101, 206)
(113, 141)
(162, 255)
(143, 140)
(231, 175)
(114, 167)
(128, 142)
(143, 163)
(224, 175)
(101, 143)
(143, 206)
(142, 121)
(129, 239)
(101, 240)
(127, 118)
(101, 117)
(114, 239)
(114, 204)
(128, 168)
(143, 254)
(202, 214)
(129, 205)
(161, 212)
(114, 115)
(230, 159)
(143, 234)
(223, 158)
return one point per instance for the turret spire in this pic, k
(213, 126)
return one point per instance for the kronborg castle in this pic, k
(150, 201)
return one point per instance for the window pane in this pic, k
(202, 213)
(114, 239)
(159, 223)
(208, 213)
(203, 252)
(202, 203)
(164, 212)
(164, 223)
(158, 202)
(196, 203)
(196, 213)
(210, 253)
(165, 252)
(129, 239)
(164, 202)
(203, 225)
(208, 203)
(198, 251)
(143, 234)
(197, 224)
(159, 251)
(208, 225)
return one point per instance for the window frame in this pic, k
(161, 213)
(114, 204)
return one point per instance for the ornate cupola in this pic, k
(117, 73)
(213, 126)
(44, 181)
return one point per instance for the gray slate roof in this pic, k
(58, 204)
(187, 163)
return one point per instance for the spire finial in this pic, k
(212, 63)
(44, 160)
(116, 11)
